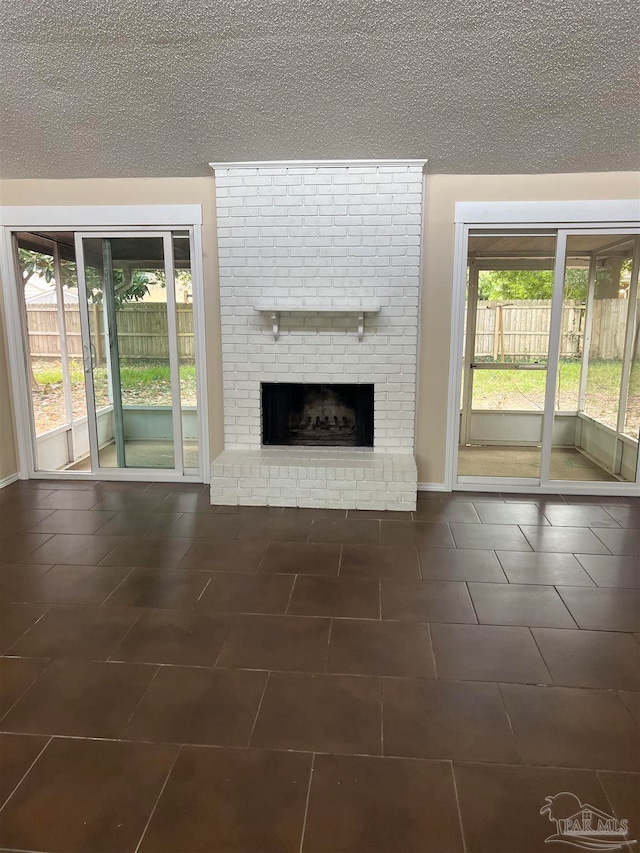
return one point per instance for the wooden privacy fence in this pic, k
(142, 331)
(520, 329)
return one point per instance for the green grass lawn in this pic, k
(525, 389)
(142, 383)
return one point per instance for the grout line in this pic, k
(255, 719)
(204, 589)
(26, 773)
(139, 702)
(381, 715)
(472, 602)
(143, 611)
(433, 651)
(30, 687)
(226, 640)
(293, 586)
(117, 586)
(155, 806)
(306, 805)
(455, 791)
(552, 683)
(340, 559)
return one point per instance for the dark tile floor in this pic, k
(179, 677)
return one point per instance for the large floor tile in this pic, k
(590, 658)
(158, 588)
(612, 571)
(16, 677)
(461, 565)
(373, 561)
(367, 647)
(620, 542)
(603, 609)
(73, 521)
(60, 584)
(231, 800)
(462, 720)
(510, 513)
(198, 706)
(277, 642)
(187, 637)
(572, 727)
(519, 604)
(564, 540)
(419, 534)
(500, 804)
(131, 523)
(187, 502)
(196, 525)
(18, 547)
(320, 713)
(129, 500)
(446, 511)
(261, 528)
(229, 592)
(503, 537)
(85, 795)
(426, 601)
(579, 516)
(301, 558)
(623, 793)
(358, 598)
(626, 516)
(148, 552)
(487, 653)
(80, 699)
(17, 754)
(351, 531)
(71, 499)
(223, 556)
(73, 549)
(540, 568)
(632, 700)
(15, 620)
(381, 805)
(16, 520)
(88, 633)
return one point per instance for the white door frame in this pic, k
(623, 214)
(86, 219)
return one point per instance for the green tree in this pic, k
(38, 263)
(507, 285)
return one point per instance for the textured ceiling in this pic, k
(124, 88)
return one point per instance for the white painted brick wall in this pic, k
(320, 233)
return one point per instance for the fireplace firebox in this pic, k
(317, 415)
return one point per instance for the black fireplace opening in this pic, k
(311, 415)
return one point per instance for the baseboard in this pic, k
(8, 480)
(432, 487)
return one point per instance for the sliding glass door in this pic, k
(130, 350)
(551, 368)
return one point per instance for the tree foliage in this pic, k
(505, 285)
(40, 264)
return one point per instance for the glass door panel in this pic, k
(506, 352)
(595, 427)
(131, 355)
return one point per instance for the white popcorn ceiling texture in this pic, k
(160, 88)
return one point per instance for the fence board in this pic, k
(142, 331)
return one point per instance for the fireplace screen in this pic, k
(317, 415)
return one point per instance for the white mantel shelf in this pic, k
(347, 306)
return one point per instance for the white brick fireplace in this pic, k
(319, 284)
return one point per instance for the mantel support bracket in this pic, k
(275, 325)
(360, 326)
